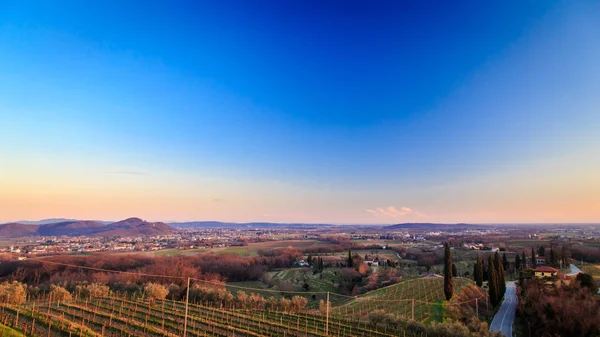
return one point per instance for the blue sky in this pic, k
(310, 111)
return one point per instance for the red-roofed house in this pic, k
(545, 271)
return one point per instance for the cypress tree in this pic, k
(481, 270)
(478, 271)
(349, 258)
(524, 259)
(505, 262)
(518, 262)
(552, 258)
(542, 251)
(448, 286)
(492, 282)
(454, 271)
(500, 282)
(533, 262)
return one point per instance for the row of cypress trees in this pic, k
(495, 276)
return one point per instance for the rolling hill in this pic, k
(15, 230)
(71, 228)
(136, 227)
(127, 227)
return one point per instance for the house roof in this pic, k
(546, 269)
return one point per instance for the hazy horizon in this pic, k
(301, 112)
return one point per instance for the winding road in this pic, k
(574, 270)
(504, 319)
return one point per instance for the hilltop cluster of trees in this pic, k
(559, 309)
(358, 278)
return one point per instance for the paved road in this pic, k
(504, 319)
(574, 270)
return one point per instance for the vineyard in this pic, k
(425, 295)
(113, 316)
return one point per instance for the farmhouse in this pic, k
(545, 271)
(373, 263)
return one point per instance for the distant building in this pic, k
(372, 263)
(540, 261)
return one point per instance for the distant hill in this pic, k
(136, 227)
(72, 228)
(218, 224)
(127, 227)
(45, 221)
(16, 230)
(435, 226)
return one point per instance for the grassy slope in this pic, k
(9, 332)
(397, 299)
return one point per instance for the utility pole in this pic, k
(187, 300)
(327, 317)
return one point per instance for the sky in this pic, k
(344, 112)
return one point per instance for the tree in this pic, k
(518, 262)
(448, 286)
(376, 317)
(349, 258)
(553, 260)
(94, 290)
(155, 291)
(523, 259)
(299, 303)
(505, 263)
(542, 251)
(492, 282)
(533, 261)
(587, 281)
(58, 293)
(478, 271)
(13, 292)
(501, 283)
(454, 271)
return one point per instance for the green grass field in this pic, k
(6, 331)
(397, 299)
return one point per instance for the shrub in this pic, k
(155, 291)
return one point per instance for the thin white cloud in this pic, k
(393, 212)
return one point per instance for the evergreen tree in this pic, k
(518, 262)
(533, 262)
(478, 271)
(448, 286)
(553, 261)
(309, 259)
(493, 289)
(505, 262)
(349, 258)
(542, 251)
(454, 271)
(481, 269)
(500, 282)
(524, 260)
